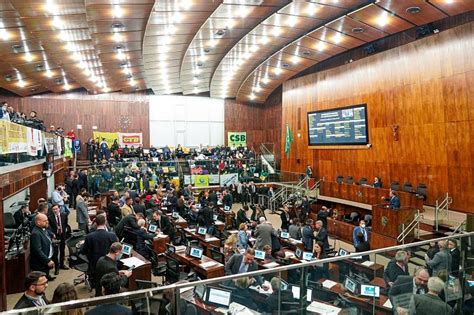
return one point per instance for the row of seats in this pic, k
(421, 188)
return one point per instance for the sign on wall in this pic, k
(201, 180)
(237, 138)
(130, 139)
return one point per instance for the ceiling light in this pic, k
(67, 86)
(243, 12)
(163, 64)
(171, 29)
(87, 72)
(28, 57)
(177, 17)
(295, 59)
(64, 36)
(106, 89)
(117, 37)
(311, 9)
(264, 40)
(321, 46)
(163, 57)
(50, 7)
(254, 48)
(117, 11)
(21, 83)
(195, 90)
(277, 71)
(265, 80)
(166, 40)
(48, 73)
(57, 22)
(186, 4)
(292, 20)
(257, 88)
(276, 32)
(252, 96)
(231, 24)
(449, 1)
(202, 58)
(382, 20)
(357, 30)
(413, 10)
(195, 81)
(212, 43)
(132, 82)
(163, 49)
(337, 38)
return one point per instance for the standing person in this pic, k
(66, 292)
(82, 212)
(114, 213)
(227, 200)
(242, 216)
(263, 234)
(82, 179)
(285, 218)
(127, 208)
(455, 257)
(242, 237)
(441, 261)
(309, 171)
(362, 245)
(393, 200)
(432, 250)
(359, 229)
(430, 303)
(36, 284)
(396, 267)
(58, 198)
(295, 229)
(70, 189)
(321, 234)
(107, 264)
(21, 215)
(41, 246)
(308, 235)
(58, 223)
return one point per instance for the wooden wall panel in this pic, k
(425, 87)
(70, 110)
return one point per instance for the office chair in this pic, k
(368, 219)
(421, 191)
(407, 187)
(342, 302)
(144, 284)
(290, 308)
(9, 223)
(180, 238)
(217, 255)
(352, 217)
(173, 273)
(363, 181)
(349, 180)
(78, 261)
(129, 236)
(339, 179)
(395, 185)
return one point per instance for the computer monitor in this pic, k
(170, 249)
(307, 256)
(369, 290)
(283, 285)
(259, 254)
(214, 217)
(175, 215)
(342, 252)
(195, 252)
(296, 293)
(299, 253)
(200, 291)
(284, 235)
(127, 249)
(226, 208)
(219, 297)
(152, 228)
(350, 285)
(202, 230)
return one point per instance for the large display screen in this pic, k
(339, 126)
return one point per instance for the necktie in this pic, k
(58, 222)
(243, 268)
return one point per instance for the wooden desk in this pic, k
(159, 243)
(292, 244)
(179, 222)
(219, 225)
(16, 270)
(139, 273)
(229, 216)
(214, 270)
(207, 242)
(373, 271)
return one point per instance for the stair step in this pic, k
(417, 261)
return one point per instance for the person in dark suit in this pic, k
(455, 257)
(274, 300)
(308, 235)
(242, 263)
(362, 230)
(377, 182)
(41, 246)
(405, 286)
(107, 264)
(322, 270)
(129, 221)
(321, 235)
(163, 223)
(21, 215)
(35, 286)
(97, 244)
(285, 218)
(242, 216)
(393, 200)
(242, 295)
(142, 237)
(430, 303)
(58, 224)
(206, 218)
(227, 200)
(362, 246)
(139, 206)
(114, 213)
(110, 284)
(396, 267)
(213, 197)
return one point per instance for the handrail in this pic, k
(145, 293)
(441, 206)
(409, 228)
(458, 228)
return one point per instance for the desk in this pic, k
(179, 222)
(139, 273)
(16, 270)
(373, 271)
(219, 225)
(291, 244)
(207, 242)
(365, 303)
(159, 243)
(213, 269)
(229, 216)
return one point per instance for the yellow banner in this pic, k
(201, 180)
(16, 138)
(109, 137)
(3, 137)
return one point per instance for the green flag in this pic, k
(288, 140)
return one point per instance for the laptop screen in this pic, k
(298, 253)
(259, 254)
(285, 235)
(127, 249)
(296, 293)
(350, 285)
(152, 228)
(202, 231)
(342, 252)
(196, 252)
(307, 255)
(226, 208)
(219, 297)
(283, 285)
(175, 215)
(370, 290)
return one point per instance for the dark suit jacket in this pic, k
(241, 217)
(273, 302)
(40, 246)
(25, 302)
(323, 237)
(233, 265)
(455, 260)
(165, 225)
(393, 271)
(285, 220)
(19, 218)
(394, 202)
(429, 304)
(115, 309)
(205, 217)
(128, 221)
(104, 266)
(96, 245)
(114, 213)
(54, 226)
(228, 200)
(244, 297)
(403, 284)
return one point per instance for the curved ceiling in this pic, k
(230, 48)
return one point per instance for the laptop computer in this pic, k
(196, 252)
(350, 285)
(343, 252)
(284, 235)
(369, 290)
(218, 297)
(259, 254)
(127, 249)
(307, 256)
(202, 230)
(152, 228)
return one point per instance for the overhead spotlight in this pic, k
(220, 32)
(413, 10)
(186, 4)
(370, 49)
(252, 96)
(200, 64)
(117, 26)
(117, 11)
(17, 48)
(425, 30)
(21, 83)
(357, 30)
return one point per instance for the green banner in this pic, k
(201, 180)
(288, 140)
(237, 139)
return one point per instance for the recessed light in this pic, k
(117, 26)
(200, 64)
(221, 32)
(357, 30)
(413, 10)
(207, 50)
(285, 65)
(306, 53)
(17, 48)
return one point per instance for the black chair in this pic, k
(353, 217)
(76, 260)
(422, 191)
(349, 180)
(339, 179)
(173, 271)
(129, 236)
(217, 256)
(395, 185)
(9, 223)
(363, 181)
(144, 284)
(407, 187)
(368, 219)
(290, 308)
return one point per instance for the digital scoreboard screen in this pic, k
(339, 126)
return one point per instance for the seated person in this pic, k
(377, 182)
(242, 295)
(130, 222)
(242, 263)
(142, 236)
(273, 302)
(242, 237)
(108, 264)
(162, 223)
(110, 283)
(319, 271)
(268, 253)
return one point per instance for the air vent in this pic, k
(285, 65)
(357, 30)
(200, 64)
(306, 53)
(39, 67)
(207, 50)
(413, 10)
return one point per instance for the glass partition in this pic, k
(383, 281)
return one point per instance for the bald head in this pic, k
(41, 221)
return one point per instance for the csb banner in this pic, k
(201, 180)
(237, 139)
(109, 137)
(130, 139)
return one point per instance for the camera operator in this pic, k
(21, 215)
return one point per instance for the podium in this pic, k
(387, 224)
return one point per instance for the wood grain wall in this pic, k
(261, 122)
(425, 87)
(103, 111)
